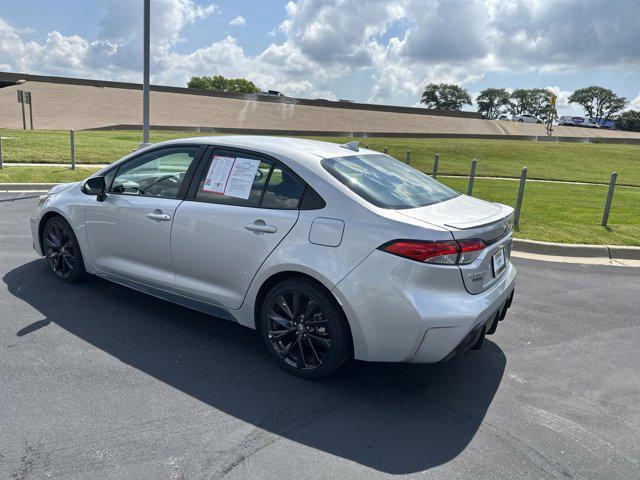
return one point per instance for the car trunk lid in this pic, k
(466, 218)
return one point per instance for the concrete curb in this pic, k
(613, 252)
(10, 187)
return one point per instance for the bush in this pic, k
(629, 120)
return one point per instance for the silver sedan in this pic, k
(330, 251)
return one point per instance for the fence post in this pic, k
(408, 157)
(435, 165)
(385, 150)
(73, 149)
(1, 150)
(472, 175)
(523, 179)
(607, 206)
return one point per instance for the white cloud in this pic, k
(238, 21)
(399, 44)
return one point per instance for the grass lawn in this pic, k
(565, 213)
(584, 162)
(43, 174)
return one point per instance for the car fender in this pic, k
(70, 205)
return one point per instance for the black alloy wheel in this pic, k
(304, 329)
(62, 251)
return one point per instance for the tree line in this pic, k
(597, 102)
(218, 83)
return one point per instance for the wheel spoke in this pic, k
(271, 315)
(295, 299)
(55, 242)
(301, 361)
(286, 350)
(278, 335)
(322, 341)
(58, 263)
(313, 349)
(284, 306)
(67, 263)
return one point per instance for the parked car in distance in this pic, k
(330, 251)
(503, 117)
(526, 118)
(272, 93)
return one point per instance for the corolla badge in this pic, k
(475, 276)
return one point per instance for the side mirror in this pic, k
(95, 186)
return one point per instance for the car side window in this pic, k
(283, 190)
(232, 178)
(245, 179)
(158, 173)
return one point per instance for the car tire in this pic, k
(538, 121)
(304, 328)
(520, 121)
(62, 251)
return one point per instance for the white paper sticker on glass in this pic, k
(243, 173)
(218, 174)
(230, 176)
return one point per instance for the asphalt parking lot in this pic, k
(98, 381)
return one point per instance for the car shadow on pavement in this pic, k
(397, 419)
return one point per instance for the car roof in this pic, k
(285, 146)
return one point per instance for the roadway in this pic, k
(103, 382)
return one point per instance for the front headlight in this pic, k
(43, 198)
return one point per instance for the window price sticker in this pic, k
(231, 176)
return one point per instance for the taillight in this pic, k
(470, 250)
(447, 252)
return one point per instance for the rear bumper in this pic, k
(405, 311)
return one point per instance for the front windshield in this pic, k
(387, 183)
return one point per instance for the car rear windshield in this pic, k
(386, 182)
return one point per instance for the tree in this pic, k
(445, 96)
(534, 101)
(218, 83)
(598, 102)
(492, 102)
(629, 120)
(540, 100)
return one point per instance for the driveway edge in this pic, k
(612, 252)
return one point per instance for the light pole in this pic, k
(145, 84)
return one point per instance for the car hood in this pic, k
(62, 187)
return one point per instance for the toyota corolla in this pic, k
(329, 251)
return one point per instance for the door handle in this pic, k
(260, 227)
(157, 215)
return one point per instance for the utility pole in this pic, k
(145, 84)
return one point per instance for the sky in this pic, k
(376, 51)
